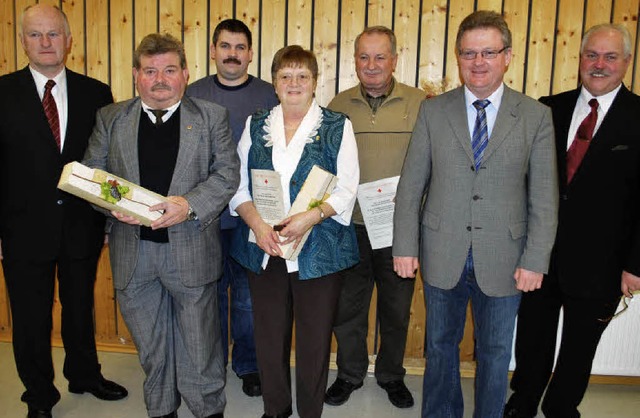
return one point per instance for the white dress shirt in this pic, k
(59, 93)
(582, 109)
(170, 111)
(285, 159)
(491, 111)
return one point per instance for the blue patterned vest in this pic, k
(331, 247)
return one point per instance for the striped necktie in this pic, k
(480, 133)
(51, 111)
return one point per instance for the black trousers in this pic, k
(279, 298)
(31, 291)
(583, 326)
(393, 313)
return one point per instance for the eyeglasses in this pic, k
(488, 54)
(287, 78)
(625, 306)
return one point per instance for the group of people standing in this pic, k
(492, 207)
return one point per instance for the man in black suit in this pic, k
(42, 228)
(597, 249)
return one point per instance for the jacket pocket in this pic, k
(431, 221)
(518, 230)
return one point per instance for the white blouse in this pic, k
(285, 159)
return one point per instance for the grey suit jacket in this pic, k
(506, 210)
(206, 174)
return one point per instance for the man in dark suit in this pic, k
(477, 202)
(165, 276)
(597, 248)
(43, 229)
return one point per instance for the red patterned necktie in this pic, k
(580, 144)
(51, 110)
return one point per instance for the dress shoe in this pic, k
(173, 414)
(39, 413)
(339, 392)
(251, 384)
(102, 389)
(513, 412)
(286, 414)
(398, 393)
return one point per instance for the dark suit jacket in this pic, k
(37, 219)
(599, 219)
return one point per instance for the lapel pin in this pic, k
(189, 127)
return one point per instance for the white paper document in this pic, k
(267, 197)
(377, 202)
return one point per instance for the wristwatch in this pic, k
(191, 215)
(322, 215)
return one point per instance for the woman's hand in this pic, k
(267, 239)
(297, 225)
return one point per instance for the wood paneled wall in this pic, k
(546, 41)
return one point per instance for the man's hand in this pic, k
(175, 210)
(630, 284)
(526, 280)
(406, 267)
(125, 218)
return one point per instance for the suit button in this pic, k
(59, 201)
(564, 196)
(476, 197)
(468, 228)
(473, 168)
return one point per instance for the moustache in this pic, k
(597, 73)
(160, 86)
(231, 60)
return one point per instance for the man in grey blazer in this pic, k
(477, 204)
(165, 276)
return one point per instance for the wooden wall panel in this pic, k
(196, 38)
(325, 46)
(546, 41)
(568, 35)
(407, 22)
(299, 23)
(380, 12)
(352, 21)
(9, 36)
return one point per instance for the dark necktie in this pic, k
(480, 133)
(158, 113)
(580, 144)
(51, 111)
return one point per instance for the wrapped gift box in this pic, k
(110, 192)
(316, 189)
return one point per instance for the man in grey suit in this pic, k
(165, 276)
(477, 204)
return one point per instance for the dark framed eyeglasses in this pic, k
(487, 54)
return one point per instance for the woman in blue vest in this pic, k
(290, 139)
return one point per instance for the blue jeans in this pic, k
(494, 321)
(244, 349)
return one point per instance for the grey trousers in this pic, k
(176, 331)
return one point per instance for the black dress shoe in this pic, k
(398, 393)
(286, 414)
(251, 384)
(339, 392)
(513, 412)
(102, 389)
(173, 414)
(39, 413)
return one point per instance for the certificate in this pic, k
(267, 197)
(377, 202)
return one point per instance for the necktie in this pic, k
(580, 144)
(51, 111)
(158, 113)
(480, 133)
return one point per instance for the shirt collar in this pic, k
(40, 80)
(495, 98)
(604, 101)
(170, 110)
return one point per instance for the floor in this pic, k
(610, 401)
